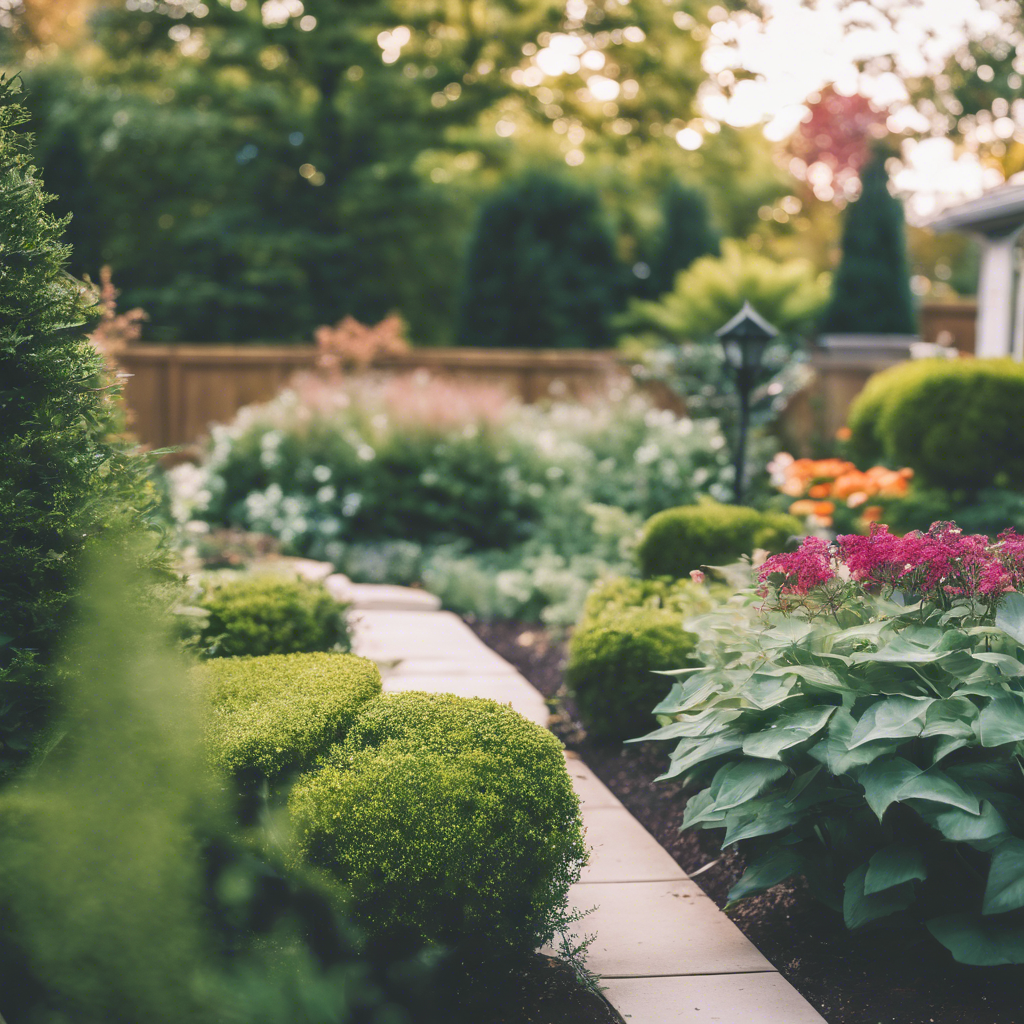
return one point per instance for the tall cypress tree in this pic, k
(62, 480)
(541, 270)
(871, 288)
(686, 235)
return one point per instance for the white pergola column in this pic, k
(996, 296)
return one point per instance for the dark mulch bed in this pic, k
(869, 977)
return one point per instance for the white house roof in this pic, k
(998, 211)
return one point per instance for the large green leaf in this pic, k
(1004, 890)
(886, 782)
(951, 717)
(900, 651)
(788, 731)
(860, 908)
(705, 723)
(759, 818)
(962, 827)
(892, 718)
(893, 866)
(702, 750)
(765, 692)
(776, 866)
(737, 783)
(1005, 665)
(1010, 616)
(834, 751)
(978, 941)
(1001, 721)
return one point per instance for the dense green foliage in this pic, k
(686, 235)
(271, 614)
(679, 540)
(870, 743)
(609, 598)
(499, 509)
(871, 288)
(267, 717)
(124, 895)
(542, 270)
(903, 415)
(63, 480)
(451, 819)
(611, 666)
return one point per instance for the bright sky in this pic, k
(798, 49)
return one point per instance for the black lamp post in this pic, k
(744, 339)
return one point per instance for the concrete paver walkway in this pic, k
(665, 953)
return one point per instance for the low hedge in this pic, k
(269, 614)
(679, 540)
(452, 820)
(611, 666)
(611, 597)
(955, 422)
(274, 715)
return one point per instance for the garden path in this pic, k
(664, 952)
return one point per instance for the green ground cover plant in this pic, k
(609, 598)
(452, 820)
(271, 716)
(858, 722)
(270, 614)
(678, 541)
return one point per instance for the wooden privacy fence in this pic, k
(177, 391)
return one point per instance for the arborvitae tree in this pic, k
(871, 288)
(686, 235)
(63, 480)
(542, 270)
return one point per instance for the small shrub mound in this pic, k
(679, 540)
(272, 615)
(611, 669)
(452, 820)
(956, 422)
(611, 597)
(273, 715)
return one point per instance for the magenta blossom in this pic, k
(808, 567)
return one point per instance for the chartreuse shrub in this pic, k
(679, 540)
(858, 721)
(269, 614)
(124, 895)
(451, 819)
(609, 598)
(956, 422)
(612, 665)
(64, 480)
(267, 717)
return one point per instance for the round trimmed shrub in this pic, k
(452, 820)
(611, 667)
(679, 540)
(955, 422)
(274, 715)
(609, 598)
(269, 614)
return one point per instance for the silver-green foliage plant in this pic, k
(858, 721)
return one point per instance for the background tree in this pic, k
(871, 287)
(686, 235)
(542, 270)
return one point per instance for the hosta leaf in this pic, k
(1004, 890)
(979, 942)
(892, 718)
(1006, 665)
(759, 818)
(737, 783)
(705, 750)
(786, 632)
(886, 782)
(900, 651)
(950, 717)
(766, 692)
(834, 752)
(961, 827)
(812, 675)
(860, 908)
(1001, 721)
(947, 744)
(697, 810)
(788, 731)
(893, 866)
(767, 871)
(707, 723)
(1010, 616)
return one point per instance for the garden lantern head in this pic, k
(744, 339)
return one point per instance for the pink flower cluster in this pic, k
(943, 561)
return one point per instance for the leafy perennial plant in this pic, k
(858, 721)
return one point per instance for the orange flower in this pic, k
(820, 491)
(793, 487)
(805, 507)
(824, 508)
(857, 498)
(872, 514)
(844, 434)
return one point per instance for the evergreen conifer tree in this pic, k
(63, 480)
(542, 270)
(871, 288)
(686, 235)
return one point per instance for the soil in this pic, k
(873, 976)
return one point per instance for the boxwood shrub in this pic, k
(679, 540)
(956, 422)
(611, 666)
(270, 614)
(611, 597)
(451, 819)
(274, 715)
